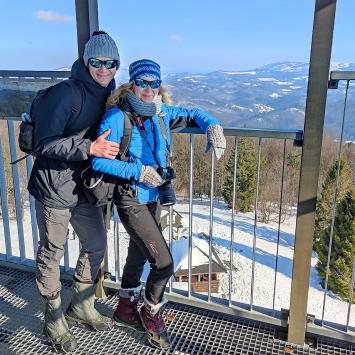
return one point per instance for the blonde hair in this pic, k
(120, 93)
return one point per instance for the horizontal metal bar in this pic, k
(316, 330)
(30, 266)
(294, 134)
(10, 118)
(342, 75)
(213, 306)
(34, 74)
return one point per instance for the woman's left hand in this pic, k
(216, 140)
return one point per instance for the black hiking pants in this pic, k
(142, 222)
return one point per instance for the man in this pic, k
(63, 145)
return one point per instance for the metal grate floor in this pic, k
(193, 330)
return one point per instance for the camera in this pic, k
(166, 191)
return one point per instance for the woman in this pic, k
(146, 103)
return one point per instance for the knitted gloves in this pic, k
(150, 177)
(216, 140)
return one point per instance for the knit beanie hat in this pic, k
(144, 67)
(101, 45)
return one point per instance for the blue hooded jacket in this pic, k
(140, 151)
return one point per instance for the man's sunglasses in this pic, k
(144, 83)
(97, 63)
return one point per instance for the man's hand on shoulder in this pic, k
(103, 148)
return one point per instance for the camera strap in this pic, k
(139, 122)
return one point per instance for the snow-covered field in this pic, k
(265, 258)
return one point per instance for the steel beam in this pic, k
(87, 21)
(322, 37)
(342, 75)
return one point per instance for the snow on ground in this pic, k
(263, 108)
(267, 79)
(239, 72)
(266, 248)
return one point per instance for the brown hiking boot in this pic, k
(153, 323)
(126, 313)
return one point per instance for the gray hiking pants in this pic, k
(88, 224)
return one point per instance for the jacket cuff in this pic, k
(88, 148)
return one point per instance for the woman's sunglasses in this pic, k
(144, 83)
(97, 63)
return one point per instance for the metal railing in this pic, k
(24, 257)
(335, 77)
(208, 300)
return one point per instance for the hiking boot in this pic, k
(153, 323)
(127, 309)
(56, 327)
(82, 309)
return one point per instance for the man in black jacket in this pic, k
(63, 146)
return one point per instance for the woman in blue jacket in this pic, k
(145, 101)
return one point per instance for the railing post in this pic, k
(322, 37)
(87, 21)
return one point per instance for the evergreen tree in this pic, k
(343, 247)
(326, 199)
(246, 176)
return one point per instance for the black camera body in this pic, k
(166, 191)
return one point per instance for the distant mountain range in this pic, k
(272, 96)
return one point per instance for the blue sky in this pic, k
(184, 35)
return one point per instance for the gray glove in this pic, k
(216, 140)
(150, 177)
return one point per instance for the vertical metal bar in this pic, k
(231, 249)
(66, 254)
(307, 197)
(351, 292)
(32, 210)
(87, 21)
(171, 238)
(211, 227)
(17, 190)
(334, 203)
(171, 216)
(4, 206)
(279, 225)
(255, 225)
(192, 146)
(116, 243)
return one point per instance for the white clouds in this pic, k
(51, 16)
(177, 38)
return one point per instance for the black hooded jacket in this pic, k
(62, 145)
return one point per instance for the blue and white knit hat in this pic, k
(144, 67)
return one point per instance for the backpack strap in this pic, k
(75, 109)
(163, 131)
(77, 96)
(126, 138)
(127, 135)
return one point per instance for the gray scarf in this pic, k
(142, 108)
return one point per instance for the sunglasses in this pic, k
(97, 63)
(144, 83)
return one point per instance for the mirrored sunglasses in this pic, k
(97, 63)
(144, 83)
